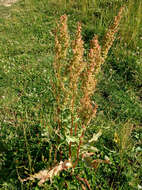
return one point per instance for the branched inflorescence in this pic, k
(76, 80)
(110, 35)
(74, 84)
(75, 77)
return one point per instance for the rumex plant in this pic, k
(73, 85)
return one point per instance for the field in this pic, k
(63, 125)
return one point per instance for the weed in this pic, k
(75, 83)
(29, 116)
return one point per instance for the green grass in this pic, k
(27, 102)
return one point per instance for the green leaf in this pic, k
(3, 147)
(87, 147)
(71, 139)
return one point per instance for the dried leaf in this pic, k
(96, 136)
(44, 175)
(87, 154)
(94, 163)
(80, 179)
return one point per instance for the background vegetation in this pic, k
(27, 143)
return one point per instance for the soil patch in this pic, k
(7, 3)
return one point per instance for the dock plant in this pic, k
(73, 86)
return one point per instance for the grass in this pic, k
(28, 143)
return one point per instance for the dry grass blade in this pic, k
(84, 181)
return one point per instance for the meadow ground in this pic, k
(28, 141)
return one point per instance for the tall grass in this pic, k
(131, 30)
(102, 10)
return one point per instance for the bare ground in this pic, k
(7, 3)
